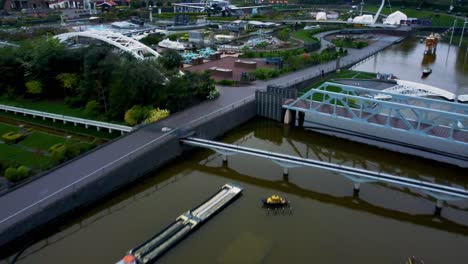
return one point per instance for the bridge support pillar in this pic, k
(356, 189)
(64, 121)
(300, 120)
(43, 118)
(438, 207)
(34, 116)
(285, 171)
(74, 123)
(98, 128)
(225, 160)
(286, 166)
(121, 133)
(24, 114)
(86, 125)
(110, 131)
(287, 117)
(53, 120)
(356, 182)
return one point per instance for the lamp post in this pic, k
(463, 31)
(150, 8)
(453, 30)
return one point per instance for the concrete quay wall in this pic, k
(150, 158)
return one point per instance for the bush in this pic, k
(266, 73)
(34, 87)
(156, 114)
(10, 174)
(92, 108)
(57, 152)
(213, 94)
(16, 174)
(13, 137)
(136, 115)
(226, 82)
(22, 172)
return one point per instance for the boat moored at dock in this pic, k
(153, 248)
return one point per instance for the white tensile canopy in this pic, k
(364, 19)
(395, 18)
(321, 16)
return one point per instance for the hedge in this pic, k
(13, 137)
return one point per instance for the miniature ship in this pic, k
(426, 72)
(275, 201)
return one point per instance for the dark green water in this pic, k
(386, 224)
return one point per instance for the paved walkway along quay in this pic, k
(28, 200)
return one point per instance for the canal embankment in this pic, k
(109, 168)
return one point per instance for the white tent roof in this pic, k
(395, 18)
(365, 19)
(463, 98)
(321, 16)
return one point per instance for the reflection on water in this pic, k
(385, 224)
(407, 61)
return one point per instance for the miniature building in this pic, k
(215, 56)
(246, 64)
(221, 72)
(197, 61)
(196, 37)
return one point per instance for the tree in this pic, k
(171, 59)
(284, 34)
(69, 80)
(136, 115)
(34, 87)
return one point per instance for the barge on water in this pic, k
(153, 248)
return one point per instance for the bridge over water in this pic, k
(438, 191)
(435, 129)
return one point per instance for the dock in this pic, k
(152, 249)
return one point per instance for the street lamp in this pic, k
(150, 9)
(463, 31)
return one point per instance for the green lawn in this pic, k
(18, 156)
(343, 74)
(438, 19)
(39, 140)
(305, 35)
(4, 128)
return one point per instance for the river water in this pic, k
(385, 224)
(406, 60)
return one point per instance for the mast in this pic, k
(378, 12)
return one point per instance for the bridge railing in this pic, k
(64, 118)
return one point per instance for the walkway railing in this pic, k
(65, 119)
(74, 187)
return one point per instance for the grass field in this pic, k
(305, 35)
(12, 154)
(343, 74)
(4, 128)
(39, 140)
